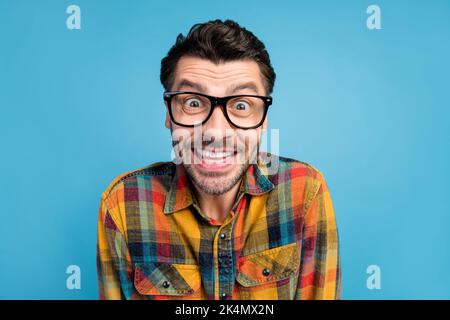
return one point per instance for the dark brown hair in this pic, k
(218, 41)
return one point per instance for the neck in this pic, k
(217, 207)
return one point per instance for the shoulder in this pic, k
(298, 168)
(300, 178)
(150, 183)
(154, 178)
(158, 171)
(279, 167)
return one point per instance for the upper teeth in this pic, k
(218, 154)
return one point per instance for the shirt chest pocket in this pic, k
(271, 274)
(168, 280)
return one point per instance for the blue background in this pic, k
(369, 108)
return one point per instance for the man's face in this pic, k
(217, 154)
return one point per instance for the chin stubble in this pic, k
(213, 183)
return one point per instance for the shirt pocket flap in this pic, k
(166, 278)
(268, 266)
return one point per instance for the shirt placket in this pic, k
(224, 260)
(223, 243)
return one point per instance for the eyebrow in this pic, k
(184, 83)
(243, 86)
(189, 84)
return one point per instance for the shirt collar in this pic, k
(255, 182)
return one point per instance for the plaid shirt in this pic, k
(279, 241)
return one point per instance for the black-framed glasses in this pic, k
(189, 109)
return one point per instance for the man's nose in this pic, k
(218, 120)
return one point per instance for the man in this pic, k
(223, 220)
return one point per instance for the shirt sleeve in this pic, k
(114, 268)
(320, 266)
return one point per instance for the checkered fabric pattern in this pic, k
(280, 240)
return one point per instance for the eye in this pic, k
(241, 106)
(193, 103)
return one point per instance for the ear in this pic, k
(167, 116)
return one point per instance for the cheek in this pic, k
(251, 138)
(181, 135)
(168, 123)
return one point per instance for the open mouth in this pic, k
(213, 158)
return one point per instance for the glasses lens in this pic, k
(246, 111)
(189, 109)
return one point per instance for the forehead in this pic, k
(218, 79)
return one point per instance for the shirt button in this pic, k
(266, 272)
(223, 236)
(166, 284)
